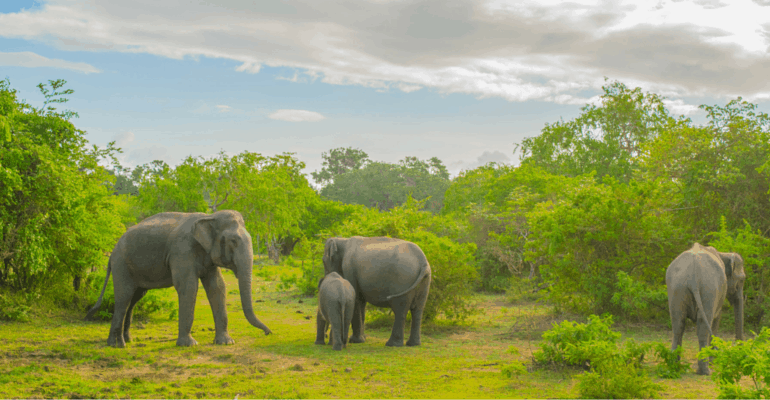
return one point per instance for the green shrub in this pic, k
(309, 261)
(614, 379)
(571, 343)
(13, 308)
(735, 360)
(515, 367)
(638, 300)
(149, 304)
(671, 366)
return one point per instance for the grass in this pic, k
(61, 356)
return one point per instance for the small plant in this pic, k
(516, 367)
(735, 360)
(671, 366)
(571, 343)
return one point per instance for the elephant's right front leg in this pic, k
(359, 315)
(214, 285)
(187, 290)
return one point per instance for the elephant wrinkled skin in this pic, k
(384, 272)
(336, 302)
(698, 281)
(177, 249)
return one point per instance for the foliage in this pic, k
(451, 263)
(733, 361)
(604, 139)
(339, 161)
(671, 366)
(571, 343)
(385, 186)
(598, 229)
(13, 308)
(514, 368)
(755, 251)
(617, 380)
(56, 216)
(638, 300)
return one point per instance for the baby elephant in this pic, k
(336, 300)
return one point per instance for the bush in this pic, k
(671, 367)
(149, 304)
(638, 300)
(615, 379)
(571, 343)
(516, 367)
(735, 360)
(13, 308)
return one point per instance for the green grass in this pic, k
(62, 356)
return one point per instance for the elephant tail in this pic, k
(701, 311)
(92, 311)
(423, 274)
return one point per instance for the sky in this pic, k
(461, 80)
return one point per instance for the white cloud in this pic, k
(680, 107)
(224, 108)
(29, 59)
(296, 116)
(123, 139)
(551, 50)
(485, 158)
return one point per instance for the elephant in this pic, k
(385, 272)
(176, 249)
(336, 302)
(698, 281)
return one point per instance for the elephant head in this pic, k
(736, 276)
(332, 257)
(224, 237)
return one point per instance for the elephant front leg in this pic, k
(320, 328)
(359, 315)
(187, 292)
(214, 285)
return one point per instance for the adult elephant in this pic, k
(177, 249)
(698, 282)
(384, 272)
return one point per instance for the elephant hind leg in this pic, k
(417, 308)
(400, 307)
(704, 340)
(138, 294)
(359, 316)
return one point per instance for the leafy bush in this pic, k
(638, 300)
(735, 360)
(515, 367)
(672, 366)
(12, 308)
(615, 379)
(571, 343)
(149, 304)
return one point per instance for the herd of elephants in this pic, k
(177, 249)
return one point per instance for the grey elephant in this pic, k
(698, 281)
(178, 249)
(384, 272)
(336, 302)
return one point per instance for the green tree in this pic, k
(605, 138)
(384, 185)
(339, 161)
(57, 218)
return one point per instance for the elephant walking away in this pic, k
(698, 281)
(384, 272)
(336, 302)
(178, 249)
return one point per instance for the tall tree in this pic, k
(339, 161)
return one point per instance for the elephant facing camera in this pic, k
(178, 249)
(698, 281)
(336, 302)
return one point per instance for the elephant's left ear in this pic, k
(203, 232)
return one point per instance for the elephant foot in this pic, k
(127, 338)
(413, 342)
(186, 341)
(223, 339)
(321, 342)
(394, 343)
(114, 341)
(337, 347)
(703, 371)
(356, 339)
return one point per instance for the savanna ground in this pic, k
(61, 356)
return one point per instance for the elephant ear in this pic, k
(319, 283)
(729, 260)
(205, 234)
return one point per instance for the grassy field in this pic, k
(61, 356)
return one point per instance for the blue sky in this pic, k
(459, 80)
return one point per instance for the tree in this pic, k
(384, 185)
(339, 161)
(57, 217)
(606, 138)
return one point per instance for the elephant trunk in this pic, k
(738, 306)
(244, 286)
